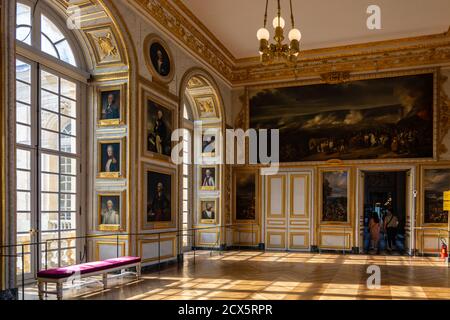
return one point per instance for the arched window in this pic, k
(48, 156)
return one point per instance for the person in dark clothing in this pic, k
(391, 227)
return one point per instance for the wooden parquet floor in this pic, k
(274, 275)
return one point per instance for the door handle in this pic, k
(33, 232)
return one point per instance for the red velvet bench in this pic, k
(85, 270)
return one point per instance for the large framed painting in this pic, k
(376, 118)
(158, 127)
(159, 198)
(435, 182)
(245, 183)
(111, 211)
(334, 196)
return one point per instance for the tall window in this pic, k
(47, 153)
(187, 182)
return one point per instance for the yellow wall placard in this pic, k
(447, 196)
(446, 205)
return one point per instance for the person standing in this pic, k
(374, 229)
(391, 226)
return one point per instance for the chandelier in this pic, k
(278, 51)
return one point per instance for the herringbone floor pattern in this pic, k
(273, 275)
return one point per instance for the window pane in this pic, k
(49, 182)
(49, 101)
(47, 47)
(23, 201)
(65, 52)
(23, 180)
(23, 22)
(68, 144)
(23, 134)
(68, 257)
(23, 92)
(68, 221)
(69, 243)
(49, 202)
(68, 184)
(68, 166)
(23, 71)
(50, 163)
(23, 159)
(23, 222)
(23, 113)
(68, 107)
(49, 221)
(27, 267)
(68, 89)
(49, 140)
(50, 30)
(49, 121)
(68, 126)
(68, 202)
(49, 82)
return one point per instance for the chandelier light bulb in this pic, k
(263, 34)
(278, 22)
(295, 34)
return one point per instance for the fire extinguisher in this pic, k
(444, 250)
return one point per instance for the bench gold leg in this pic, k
(138, 271)
(105, 281)
(41, 290)
(59, 290)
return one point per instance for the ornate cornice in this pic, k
(182, 24)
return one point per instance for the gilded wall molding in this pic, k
(423, 51)
(444, 115)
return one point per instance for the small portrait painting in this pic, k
(110, 210)
(335, 196)
(208, 211)
(110, 105)
(110, 158)
(208, 175)
(159, 205)
(159, 129)
(160, 59)
(209, 145)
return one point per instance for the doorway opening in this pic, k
(385, 212)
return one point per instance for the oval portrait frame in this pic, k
(148, 42)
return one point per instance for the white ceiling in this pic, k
(323, 23)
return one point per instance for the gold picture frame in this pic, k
(148, 97)
(206, 151)
(121, 226)
(122, 89)
(349, 199)
(201, 208)
(257, 192)
(121, 173)
(158, 170)
(201, 177)
(153, 39)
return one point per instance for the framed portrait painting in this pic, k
(334, 196)
(158, 58)
(158, 125)
(208, 178)
(111, 160)
(207, 211)
(111, 211)
(159, 198)
(111, 105)
(209, 142)
(435, 182)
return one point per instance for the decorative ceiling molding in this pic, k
(424, 51)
